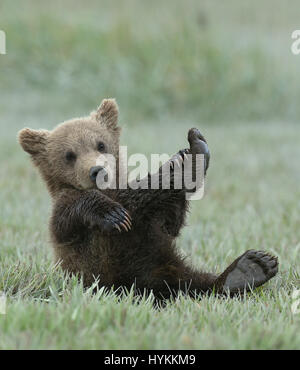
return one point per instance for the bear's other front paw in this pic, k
(249, 271)
(115, 219)
(198, 145)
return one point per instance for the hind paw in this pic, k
(249, 271)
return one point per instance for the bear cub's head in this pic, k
(75, 152)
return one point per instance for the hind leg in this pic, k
(250, 270)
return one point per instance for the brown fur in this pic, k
(85, 224)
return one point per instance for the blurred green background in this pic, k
(223, 66)
(205, 60)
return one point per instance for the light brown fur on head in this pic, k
(65, 155)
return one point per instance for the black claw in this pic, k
(118, 227)
(115, 219)
(124, 226)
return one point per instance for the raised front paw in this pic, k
(198, 145)
(116, 219)
(249, 271)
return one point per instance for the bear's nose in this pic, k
(94, 172)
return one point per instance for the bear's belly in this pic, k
(120, 260)
(107, 259)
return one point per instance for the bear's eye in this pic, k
(70, 156)
(101, 147)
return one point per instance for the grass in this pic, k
(61, 61)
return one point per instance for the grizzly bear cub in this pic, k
(125, 237)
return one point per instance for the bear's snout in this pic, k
(94, 172)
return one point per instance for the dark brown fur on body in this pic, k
(121, 237)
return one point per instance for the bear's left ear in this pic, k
(107, 114)
(33, 141)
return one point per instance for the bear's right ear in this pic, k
(33, 141)
(107, 114)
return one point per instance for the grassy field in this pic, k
(227, 70)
